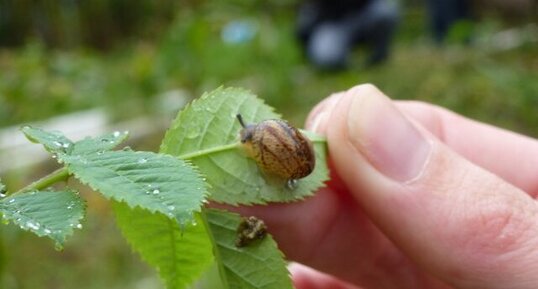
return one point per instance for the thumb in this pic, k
(454, 219)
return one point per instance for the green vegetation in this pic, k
(168, 191)
(496, 86)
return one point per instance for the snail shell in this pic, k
(278, 148)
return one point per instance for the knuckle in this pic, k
(494, 230)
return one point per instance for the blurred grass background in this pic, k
(65, 56)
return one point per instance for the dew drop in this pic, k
(117, 134)
(47, 231)
(192, 134)
(142, 161)
(171, 208)
(291, 184)
(211, 109)
(79, 226)
(11, 201)
(33, 226)
(66, 145)
(156, 192)
(2, 194)
(54, 156)
(58, 144)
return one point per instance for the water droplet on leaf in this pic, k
(192, 134)
(33, 226)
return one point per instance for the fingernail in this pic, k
(386, 138)
(318, 119)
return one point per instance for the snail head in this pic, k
(247, 131)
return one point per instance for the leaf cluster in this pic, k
(159, 198)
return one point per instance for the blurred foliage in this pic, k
(192, 56)
(481, 80)
(99, 24)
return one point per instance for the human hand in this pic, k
(419, 198)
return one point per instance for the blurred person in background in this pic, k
(444, 14)
(329, 30)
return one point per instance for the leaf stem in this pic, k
(209, 151)
(218, 257)
(58, 175)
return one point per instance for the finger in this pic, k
(307, 278)
(330, 232)
(511, 156)
(455, 219)
(322, 112)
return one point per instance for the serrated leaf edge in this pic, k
(205, 192)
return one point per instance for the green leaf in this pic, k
(99, 144)
(156, 182)
(53, 141)
(180, 256)
(45, 213)
(56, 142)
(258, 265)
(207, 133)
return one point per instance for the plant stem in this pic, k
(218, 257)
(58, 175)
(209, 151)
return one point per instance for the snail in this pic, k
(249, 230)
(279, 149)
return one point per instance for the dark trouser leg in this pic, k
(308, 16)
(444, 13)
(375, 25)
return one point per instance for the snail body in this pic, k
(278, 148)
